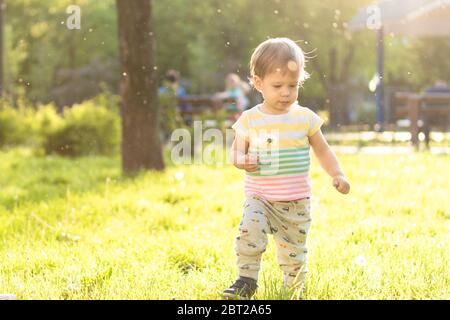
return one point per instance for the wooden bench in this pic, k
(432, 108)
(197, 104)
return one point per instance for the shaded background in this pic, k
(205, 40)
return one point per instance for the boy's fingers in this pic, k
(253, 159)
(347, 188)
(251, 167)
(336, 183)
(341, 187)
(344, 188)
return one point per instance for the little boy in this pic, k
(272, 145)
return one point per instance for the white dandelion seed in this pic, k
(142, 203)
(292, 66)
(361, 261)
(179, 175)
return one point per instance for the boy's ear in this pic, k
(257, 83)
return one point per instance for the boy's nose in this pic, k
(285, 92)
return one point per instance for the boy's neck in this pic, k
(267, 110)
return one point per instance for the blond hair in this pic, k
(278, 54)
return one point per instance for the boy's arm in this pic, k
(240, 157)
(328, 161)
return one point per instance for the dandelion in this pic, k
(179, 175)
(361, 261)
(265, 141)
(292, 66)
(142, 203)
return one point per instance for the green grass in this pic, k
(75, 229)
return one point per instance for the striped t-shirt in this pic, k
(281, 142)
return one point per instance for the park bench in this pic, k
(422, 109)
(197, 104)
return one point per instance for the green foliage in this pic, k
(12, 127)
(366, 114)
(24, 125)
(205, 40)
(107, 99)
(42, 121)
(92, 127)
(38, 42)
(87, 129)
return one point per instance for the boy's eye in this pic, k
(277, 86)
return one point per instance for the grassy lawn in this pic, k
(75, 229)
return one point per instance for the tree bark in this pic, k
(2, 9)
(141, 146)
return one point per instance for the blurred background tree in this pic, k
(205, 40)
(141, 146)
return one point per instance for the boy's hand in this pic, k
(248, 163)
(341, 184)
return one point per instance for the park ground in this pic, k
(77, 229)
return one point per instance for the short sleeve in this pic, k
(315, 122)
(242, 127)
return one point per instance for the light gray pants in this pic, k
(288, 222)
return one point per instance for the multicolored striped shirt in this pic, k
(281, 142)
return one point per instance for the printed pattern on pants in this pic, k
(288, 222)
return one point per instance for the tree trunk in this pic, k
(141, 146)
(2, 7)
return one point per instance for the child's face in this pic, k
(279, 90)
